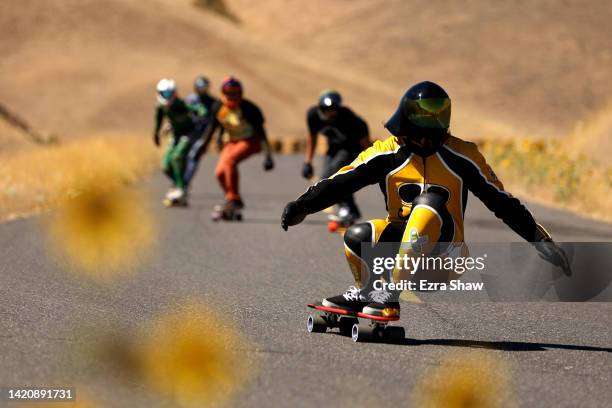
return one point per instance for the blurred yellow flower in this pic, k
(525, 145)
(469, 380)
(195, 357)
(103, 228)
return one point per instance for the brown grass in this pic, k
(36, 178)
(550, 173)
(593, 135)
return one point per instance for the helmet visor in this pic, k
(167, 93)
(233, 95)
(431, 113)
(232, 98)
(201, 85)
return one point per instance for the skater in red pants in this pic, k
(241, 135)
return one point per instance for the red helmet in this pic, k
(231, 92)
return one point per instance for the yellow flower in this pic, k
(525, 145)
(193, 356)
(102, 227)
(538, 146)
(471, 380)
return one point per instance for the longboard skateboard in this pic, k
(335, 223)
(337, 226)
(374, 328)
(171, 200)
(174, 203)
(219, 215)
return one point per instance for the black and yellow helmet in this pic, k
(423, 116)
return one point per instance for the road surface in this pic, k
(556, 354)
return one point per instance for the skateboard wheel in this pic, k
(395, 333)
(332, 226)
(316, 324)
(345, 324)
(361, 333)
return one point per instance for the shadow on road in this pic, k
(490, 345)
(501, 345)
(277, 221)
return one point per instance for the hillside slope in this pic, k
(535, 66)
(520, 68)
(67, 69)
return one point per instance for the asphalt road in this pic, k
(556, 354)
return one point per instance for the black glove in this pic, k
(551, 252)
(268, 163)
(293, 214)
(307, 171)
(156, 139)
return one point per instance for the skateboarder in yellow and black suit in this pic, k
(425, 175)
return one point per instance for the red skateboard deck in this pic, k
(343, 312)
(375, 329)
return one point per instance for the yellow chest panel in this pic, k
(419, 175)
(234, 123)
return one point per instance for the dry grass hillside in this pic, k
(538, 68)
(83, 66)
(514, 69)
(12, 138)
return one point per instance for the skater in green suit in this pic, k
(184, 131)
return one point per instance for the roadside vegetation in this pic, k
(545, 171)
(36, 178)
(100, 225)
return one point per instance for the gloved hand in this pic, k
(268, 163)
(307, 171)
(293, 214)
(156, 139)
(551, 252)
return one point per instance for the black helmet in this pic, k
(329, 103)
(201, 84)
(422, 118)
(329, 99)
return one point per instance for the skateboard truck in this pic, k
(374, 328)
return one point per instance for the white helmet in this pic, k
(166, 88)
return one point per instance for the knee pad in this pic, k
(437, 201)
(356, 234)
